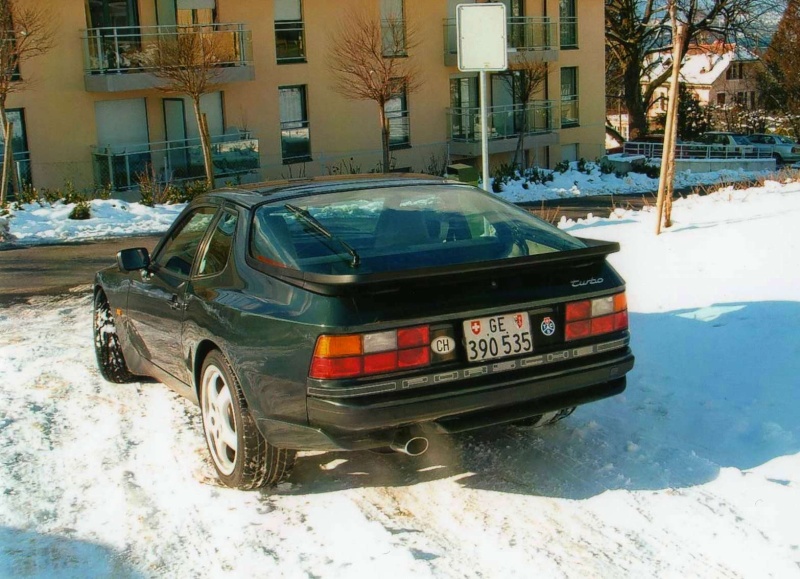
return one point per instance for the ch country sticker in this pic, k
(548, 326)
(476, 327)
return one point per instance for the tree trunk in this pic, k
(637, 110)
(205, 142)
(522, 128)
(384, 138)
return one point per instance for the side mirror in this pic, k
(133, 259)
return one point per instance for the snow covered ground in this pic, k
(38, 223)
(693, 472)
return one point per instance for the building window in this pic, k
(568, 23)
(569, 96)
(735, 71)
(19, 142)
(289, 32)
(397, 116)
(721, 99)
(393, 28)
(295, 130)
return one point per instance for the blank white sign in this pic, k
(481, 31)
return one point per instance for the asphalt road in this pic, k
(57, 269)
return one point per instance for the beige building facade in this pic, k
(91, 113)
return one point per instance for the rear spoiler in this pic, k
(326, 284)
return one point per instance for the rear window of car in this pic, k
(398, 228)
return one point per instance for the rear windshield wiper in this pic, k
(312, 222)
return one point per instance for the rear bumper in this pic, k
(374, 421)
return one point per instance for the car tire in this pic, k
(545, 419)
(778, 158)
(107, 348)
(242, 457)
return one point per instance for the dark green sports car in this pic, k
(362, 313)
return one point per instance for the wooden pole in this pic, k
(8, 160)
(667, 173)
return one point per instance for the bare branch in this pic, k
(369, 58)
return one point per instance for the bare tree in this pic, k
(524, 79)
(638, 32)
(368, 59)
(25, 32)
(188, 62)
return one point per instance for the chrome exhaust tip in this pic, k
(414, 446)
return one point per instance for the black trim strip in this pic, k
(465, 373)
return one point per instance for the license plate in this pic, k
(497, 336)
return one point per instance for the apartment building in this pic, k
(94, 115)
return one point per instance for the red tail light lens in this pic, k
(354, 355)
(596, 317)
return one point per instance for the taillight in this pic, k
(355, 355)
(589, 318)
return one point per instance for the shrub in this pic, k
(82, 210)
(562, 167)
(606, 167)
(186, 192)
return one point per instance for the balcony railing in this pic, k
(115, 50)
(527, 33)
(504, 122)
(697, 151)
(22, 164)
(122, 166)
(569, 112)
(568, 32)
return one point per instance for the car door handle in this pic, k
(174, 303)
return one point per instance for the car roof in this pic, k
(253, 194)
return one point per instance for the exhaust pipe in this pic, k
(413, 446)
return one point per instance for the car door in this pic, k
(156, 300)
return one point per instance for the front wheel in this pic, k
(242, 457)
(107, 348)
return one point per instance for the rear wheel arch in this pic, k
(204, 348)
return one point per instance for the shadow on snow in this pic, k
(712, 388)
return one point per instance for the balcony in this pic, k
(122, 166)
(505, 123)
(525, 35)
(112, 56)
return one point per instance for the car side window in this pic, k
(219, 246)
(179, 250)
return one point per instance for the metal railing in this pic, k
(295, 141)
(290, 45)
(697, 151)
(568, 32)
(570, 112)
(504, 122)
(22, 165)
(523, 33)
(122, 166)
(123, 49)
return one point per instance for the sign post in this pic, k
(481, 32)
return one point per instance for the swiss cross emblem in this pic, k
(476, 327)
(518, 320)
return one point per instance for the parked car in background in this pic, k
(362, 313)
(783, 149)
(724, 144)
